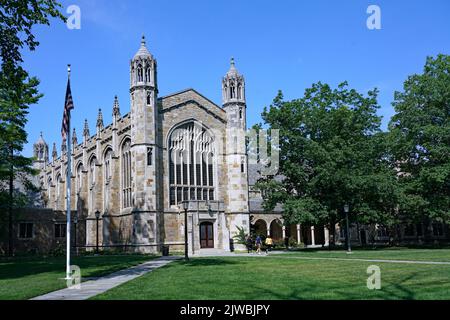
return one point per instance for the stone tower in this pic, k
(233, 93)
(145, 148)
(40, 153)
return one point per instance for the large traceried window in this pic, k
(126, 175)
(191, 164)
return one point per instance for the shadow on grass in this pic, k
(204, 262)
(23, 267)
(310, 290)
(368, 248)
(407, 293)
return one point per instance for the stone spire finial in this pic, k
(86, 133)
(54, 151)
(233, 85)
(116, 109)
(143, 51)
(64, 146)
(40, 149)
(74, 137)
(100, 119)
(232, 71)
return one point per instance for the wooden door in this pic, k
(206, 235)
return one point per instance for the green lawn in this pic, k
(24, 278)
(395, 253)
(285, 277)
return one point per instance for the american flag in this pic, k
(67, 107)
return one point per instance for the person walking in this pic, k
(269, 243)
(249, 243)
(286, 242)
(258, 244)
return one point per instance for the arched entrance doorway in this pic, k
(276, 230)
(206, 235)
(260, 228)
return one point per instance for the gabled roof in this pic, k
(187, 96)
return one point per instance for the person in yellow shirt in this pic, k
(269, 244)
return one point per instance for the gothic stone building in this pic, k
(137, 171)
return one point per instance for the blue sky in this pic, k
(285, 45)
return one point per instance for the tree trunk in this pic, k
(10, 205)
(399, 234)
(332, 235)
(428, 232)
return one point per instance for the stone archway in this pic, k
(260, 228)
(291, 232)
(276, 230)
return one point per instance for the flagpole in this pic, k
(68, 180)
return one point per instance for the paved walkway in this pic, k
(92, 288)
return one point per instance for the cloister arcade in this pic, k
(271, 224)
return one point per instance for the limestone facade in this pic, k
(137, 170)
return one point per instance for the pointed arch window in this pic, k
(232, 91)
(58, 187)
(92, 171)
(140, 73)
(49, 190)
(108, 161)
(225, 91)
(191, 164)
(149, 98)
(107, 178)
(147, 74)
(79, 177)
(243, 165)
(126, 175)
(149, 156)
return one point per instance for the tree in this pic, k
(240, 236)
(17, 20)
(332, 152)
(17, 90)
(420, 143)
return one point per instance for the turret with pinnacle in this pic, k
(233, 97)
(86, 134)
